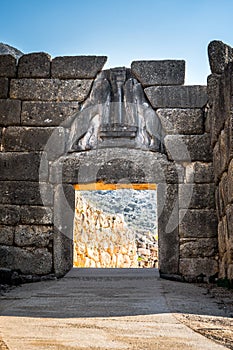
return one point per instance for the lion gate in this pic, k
(65, 121)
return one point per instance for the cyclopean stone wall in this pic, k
(220, 124)
(39, 97)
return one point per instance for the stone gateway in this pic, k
(66, 122)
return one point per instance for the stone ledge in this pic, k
(79, 67)
(166, 72)
(194, 96)
(34, 65)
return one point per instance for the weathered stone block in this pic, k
(50, 89)
(19, 166)
(217, 162)
(220, 55)
(196, 196)
(188, 148)
(198, 248)
(168, 221)
(223, 192)
(222, 236)
(26, 193)
(51, 140)
(230, 182)
(229, 212)
(9, 214)
(35, 236)
(199, 223)
(199, 172)
(34, 65)
(7, 66)
(213, 81)
(10, 112)
(166, 72)
(79, 67)
(36, 215)
(177, 96)
(64, 208)
(194, 267)
(7, 234)
(181, 121)
(3, 87)
(62, 253)
(28, 261)
(224, 150)
(47, 113)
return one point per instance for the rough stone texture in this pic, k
(36, 215)
(9, 215)
(28, 261)
(220, 55)
(168, 215)
(34, 65)
(34, 236)
(10, 112)
(200, 248)
(230, 182)
(26, 193)
(7, 66)
(190, 147)
(167, 72)
(181, 121)
(199, 172)
(177, 96)
(19, 166)
(4, 87)
(197, 195)
(49, 89)
(79, 67)
(194, 267)
(62, 253)
(7, 235)
(198, 223)
(47, 113)
(22, 139)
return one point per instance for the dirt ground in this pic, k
(219, 329)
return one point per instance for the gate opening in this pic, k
(115, 226)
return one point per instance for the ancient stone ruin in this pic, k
(66, 122)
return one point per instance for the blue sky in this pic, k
(124, 30)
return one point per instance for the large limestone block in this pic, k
(196, 196)
(7, 66)
(27, 89)
(181, 121)
(26, 166)
(36, 261)
(34, 65)
(198, 223)
(188, 147)
(10, 112)
(177, 96)
(166, 72)
(194, 267)
(43, 113)
(198, 248)
(7, 234)
(220, 55)
(79, 67)
(4, 87)
(200, 172)
(35, 236)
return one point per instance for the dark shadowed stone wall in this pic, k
(220, 124)
(39, 99)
